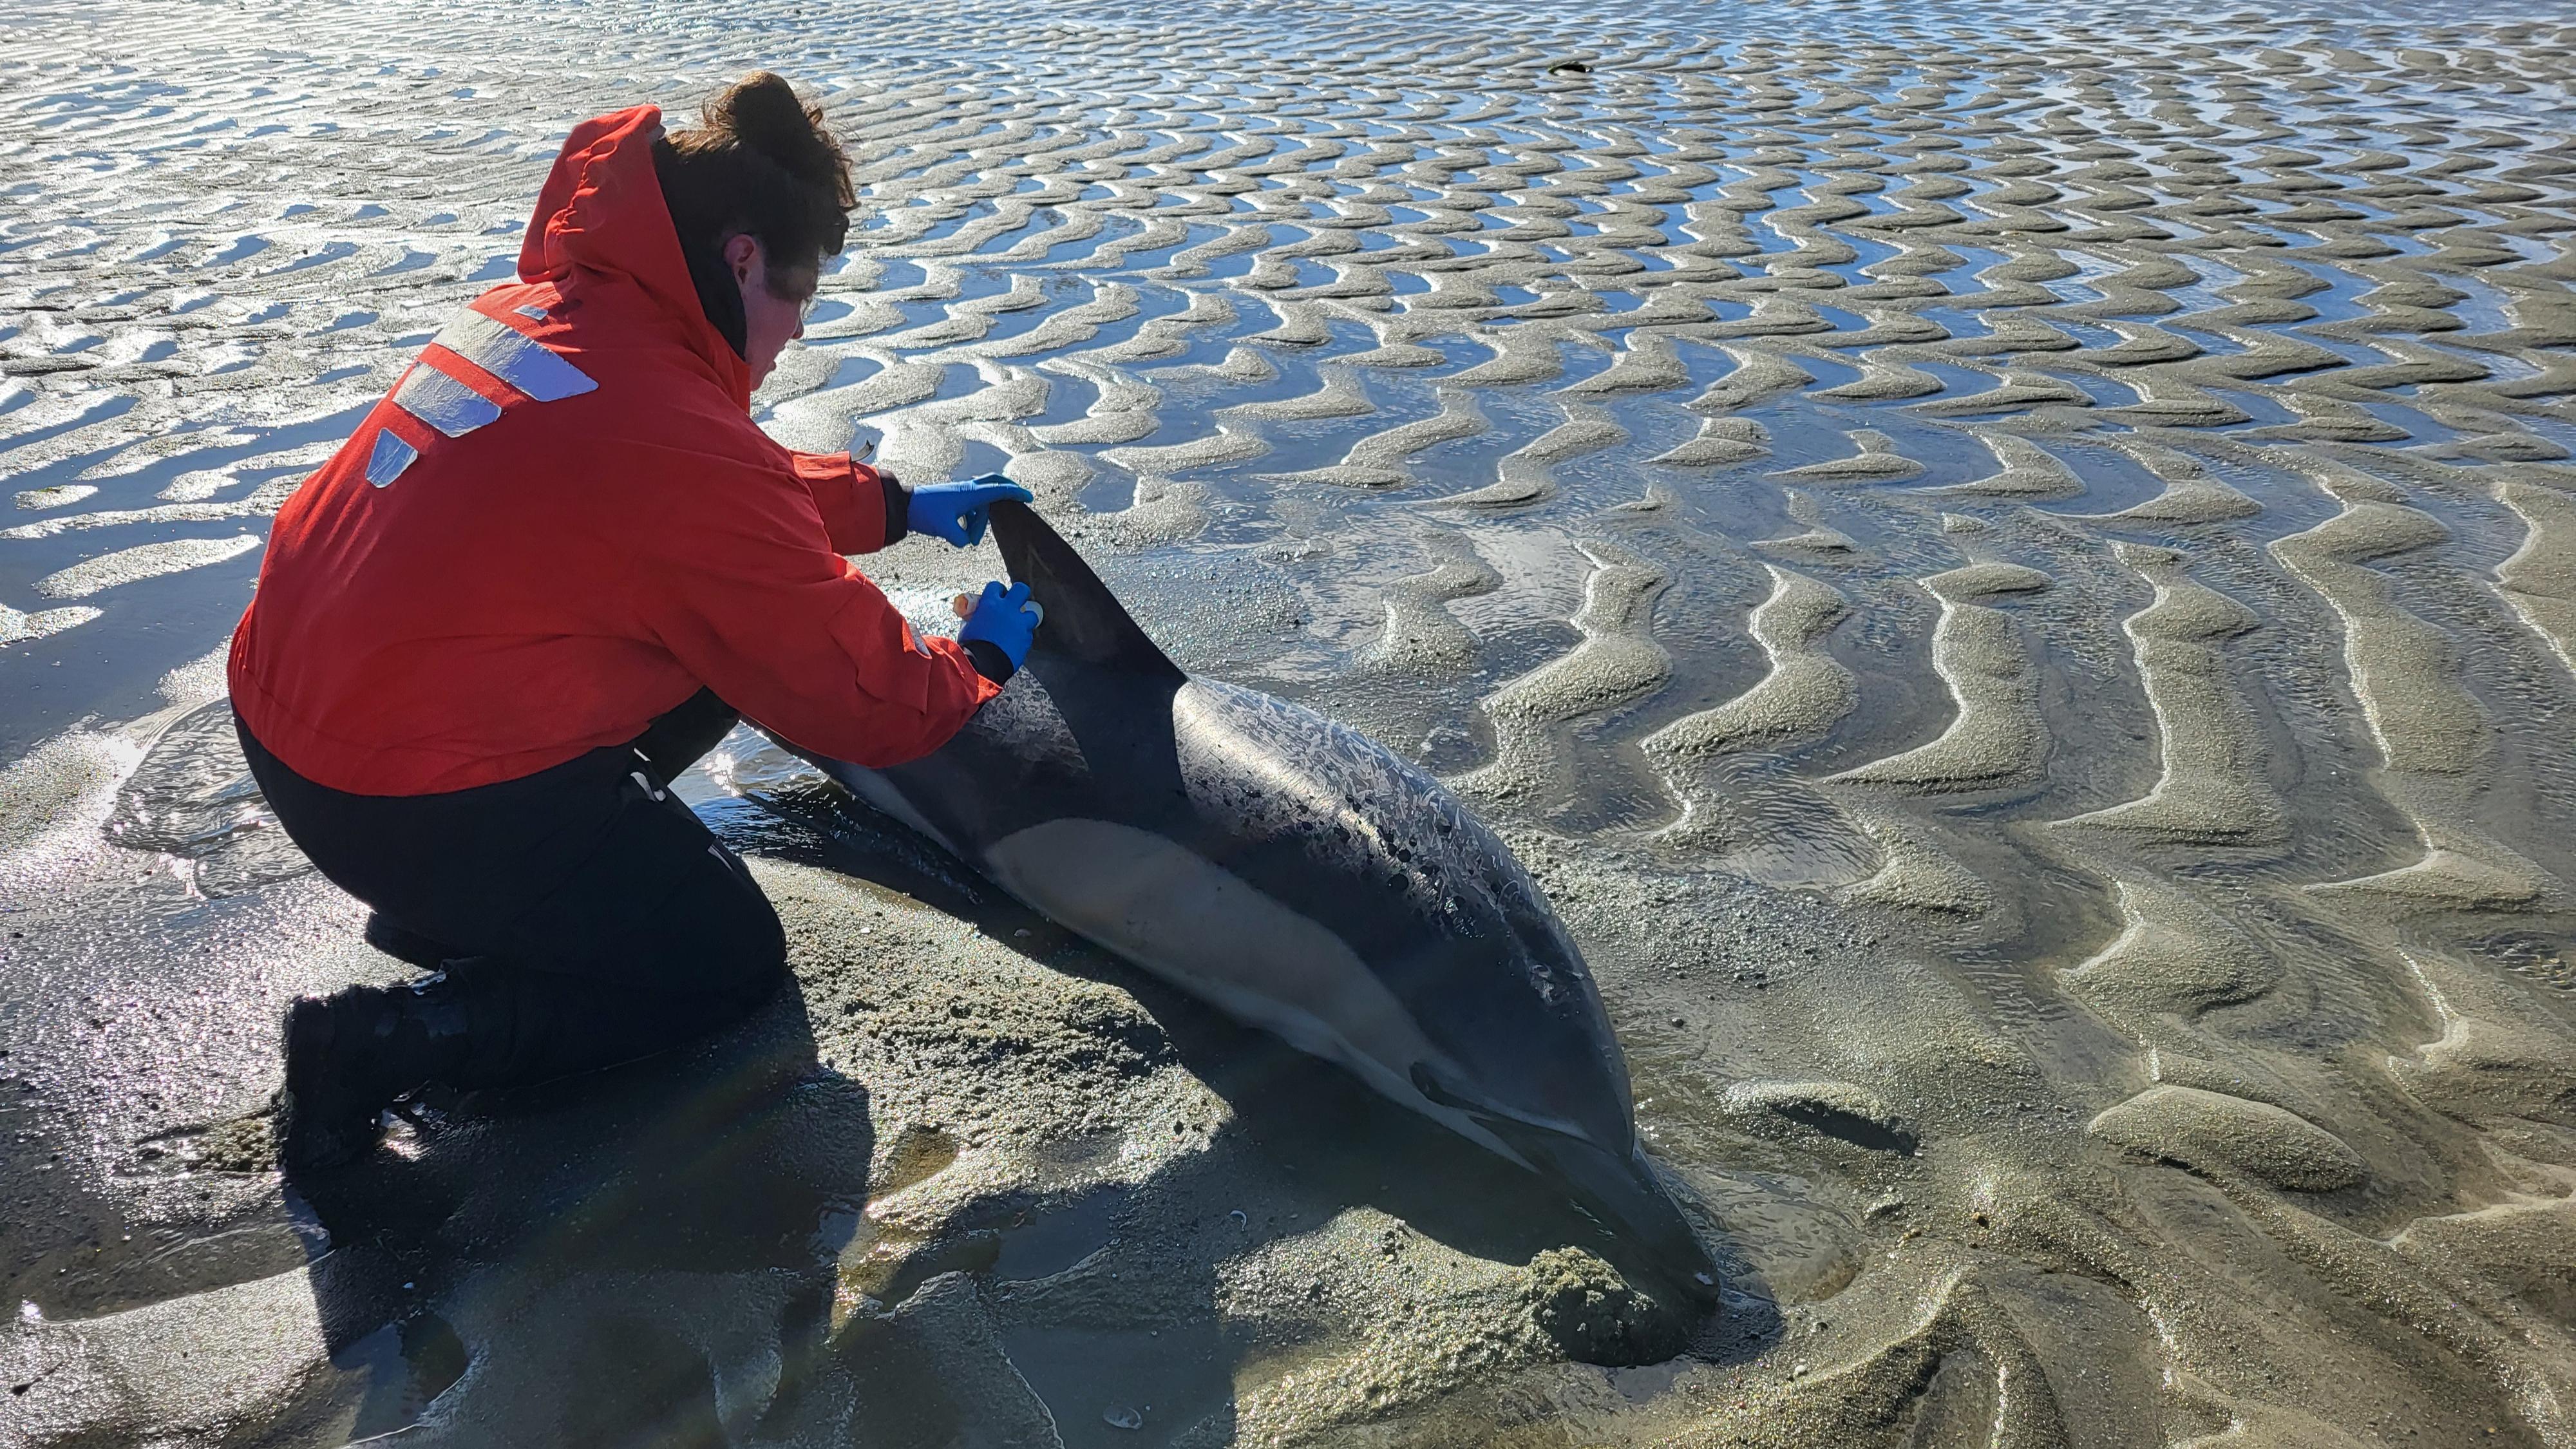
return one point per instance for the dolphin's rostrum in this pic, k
(1295, 875)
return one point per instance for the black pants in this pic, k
(582, 915)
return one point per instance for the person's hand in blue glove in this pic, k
(999, 622)
(956, 511)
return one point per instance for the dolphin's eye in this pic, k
(1429, 1086)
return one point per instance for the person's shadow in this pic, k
(641, 1256)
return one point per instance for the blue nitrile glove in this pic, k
(955, 511)
(1002, 619)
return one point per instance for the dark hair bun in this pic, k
(761, 111)
(760, 164)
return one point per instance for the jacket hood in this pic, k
(602, 211)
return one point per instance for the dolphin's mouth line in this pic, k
(1614, 1189)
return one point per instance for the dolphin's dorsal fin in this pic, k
(1083, 618)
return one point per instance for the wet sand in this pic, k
(2012, 570)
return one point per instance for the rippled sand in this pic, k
(2013, 569)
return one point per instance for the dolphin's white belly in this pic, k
(1213, 934)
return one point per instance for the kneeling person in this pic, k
(540, 580)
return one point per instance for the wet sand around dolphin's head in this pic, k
(2011, 570)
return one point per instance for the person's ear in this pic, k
(741, 251)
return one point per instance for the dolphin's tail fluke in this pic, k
(1629, 1198)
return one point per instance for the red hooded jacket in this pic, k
(561, 522)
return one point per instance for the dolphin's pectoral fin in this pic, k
(1083, 619)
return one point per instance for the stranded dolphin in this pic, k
(1295, 875)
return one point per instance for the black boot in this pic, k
(351, 1055)
(405, 944)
